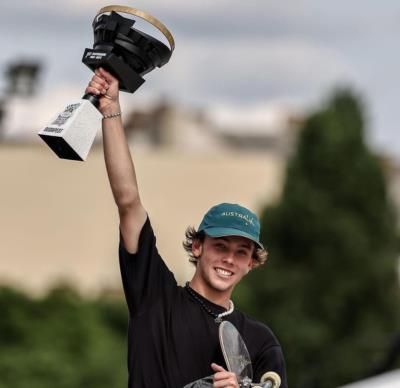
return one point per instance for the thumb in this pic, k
(217, 368)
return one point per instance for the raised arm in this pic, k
(118, 160)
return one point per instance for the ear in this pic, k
(197, 248)
(250, 266)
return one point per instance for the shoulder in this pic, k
(146, 237)
(131, 222)
(146, 249)
(264, 348)
(255, 331)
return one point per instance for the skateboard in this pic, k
(238, 360)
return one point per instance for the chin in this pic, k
(222, 285)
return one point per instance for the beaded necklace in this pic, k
(217, 317)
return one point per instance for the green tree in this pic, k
(330, 290)
(61, 341)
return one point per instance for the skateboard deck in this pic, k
(235, 352)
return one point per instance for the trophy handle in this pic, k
(143, 15)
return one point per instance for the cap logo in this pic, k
(244, 217)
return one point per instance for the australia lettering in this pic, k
(239, 215)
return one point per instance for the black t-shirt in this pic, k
(172, 340)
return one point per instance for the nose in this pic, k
(228, 258)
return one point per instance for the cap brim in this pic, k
(225, 232)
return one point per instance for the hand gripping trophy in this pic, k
(125, 52)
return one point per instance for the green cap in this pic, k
(227, 219)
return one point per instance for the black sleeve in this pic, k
(271, 360)
(145, 276)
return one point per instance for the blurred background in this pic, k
(287, 108)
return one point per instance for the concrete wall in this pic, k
(58, 220)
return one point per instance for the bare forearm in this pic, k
(121, 172)
(119, 165)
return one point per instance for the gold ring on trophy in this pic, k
(143, 15)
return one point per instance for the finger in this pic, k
(227, 383)
(101, 81)
(106, 75)
(217, 368)
(219, 376)
(96, 90)
(91, 90)
(98, 86)
(224, 376)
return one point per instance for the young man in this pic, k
(173, 330)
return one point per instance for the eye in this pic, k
(220, 246)
(243, 252)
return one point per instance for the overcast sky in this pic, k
(231, 54)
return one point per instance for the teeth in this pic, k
(223, 272)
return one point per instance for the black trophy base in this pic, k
(129, 80)
(60, 147)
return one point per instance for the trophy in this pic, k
(127, 54)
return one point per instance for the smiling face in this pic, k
(222, 262)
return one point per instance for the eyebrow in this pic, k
(246, 244)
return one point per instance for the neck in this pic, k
(218, 297)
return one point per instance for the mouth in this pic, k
(223, 272)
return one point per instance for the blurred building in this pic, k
(58, 220)
(174, 127)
